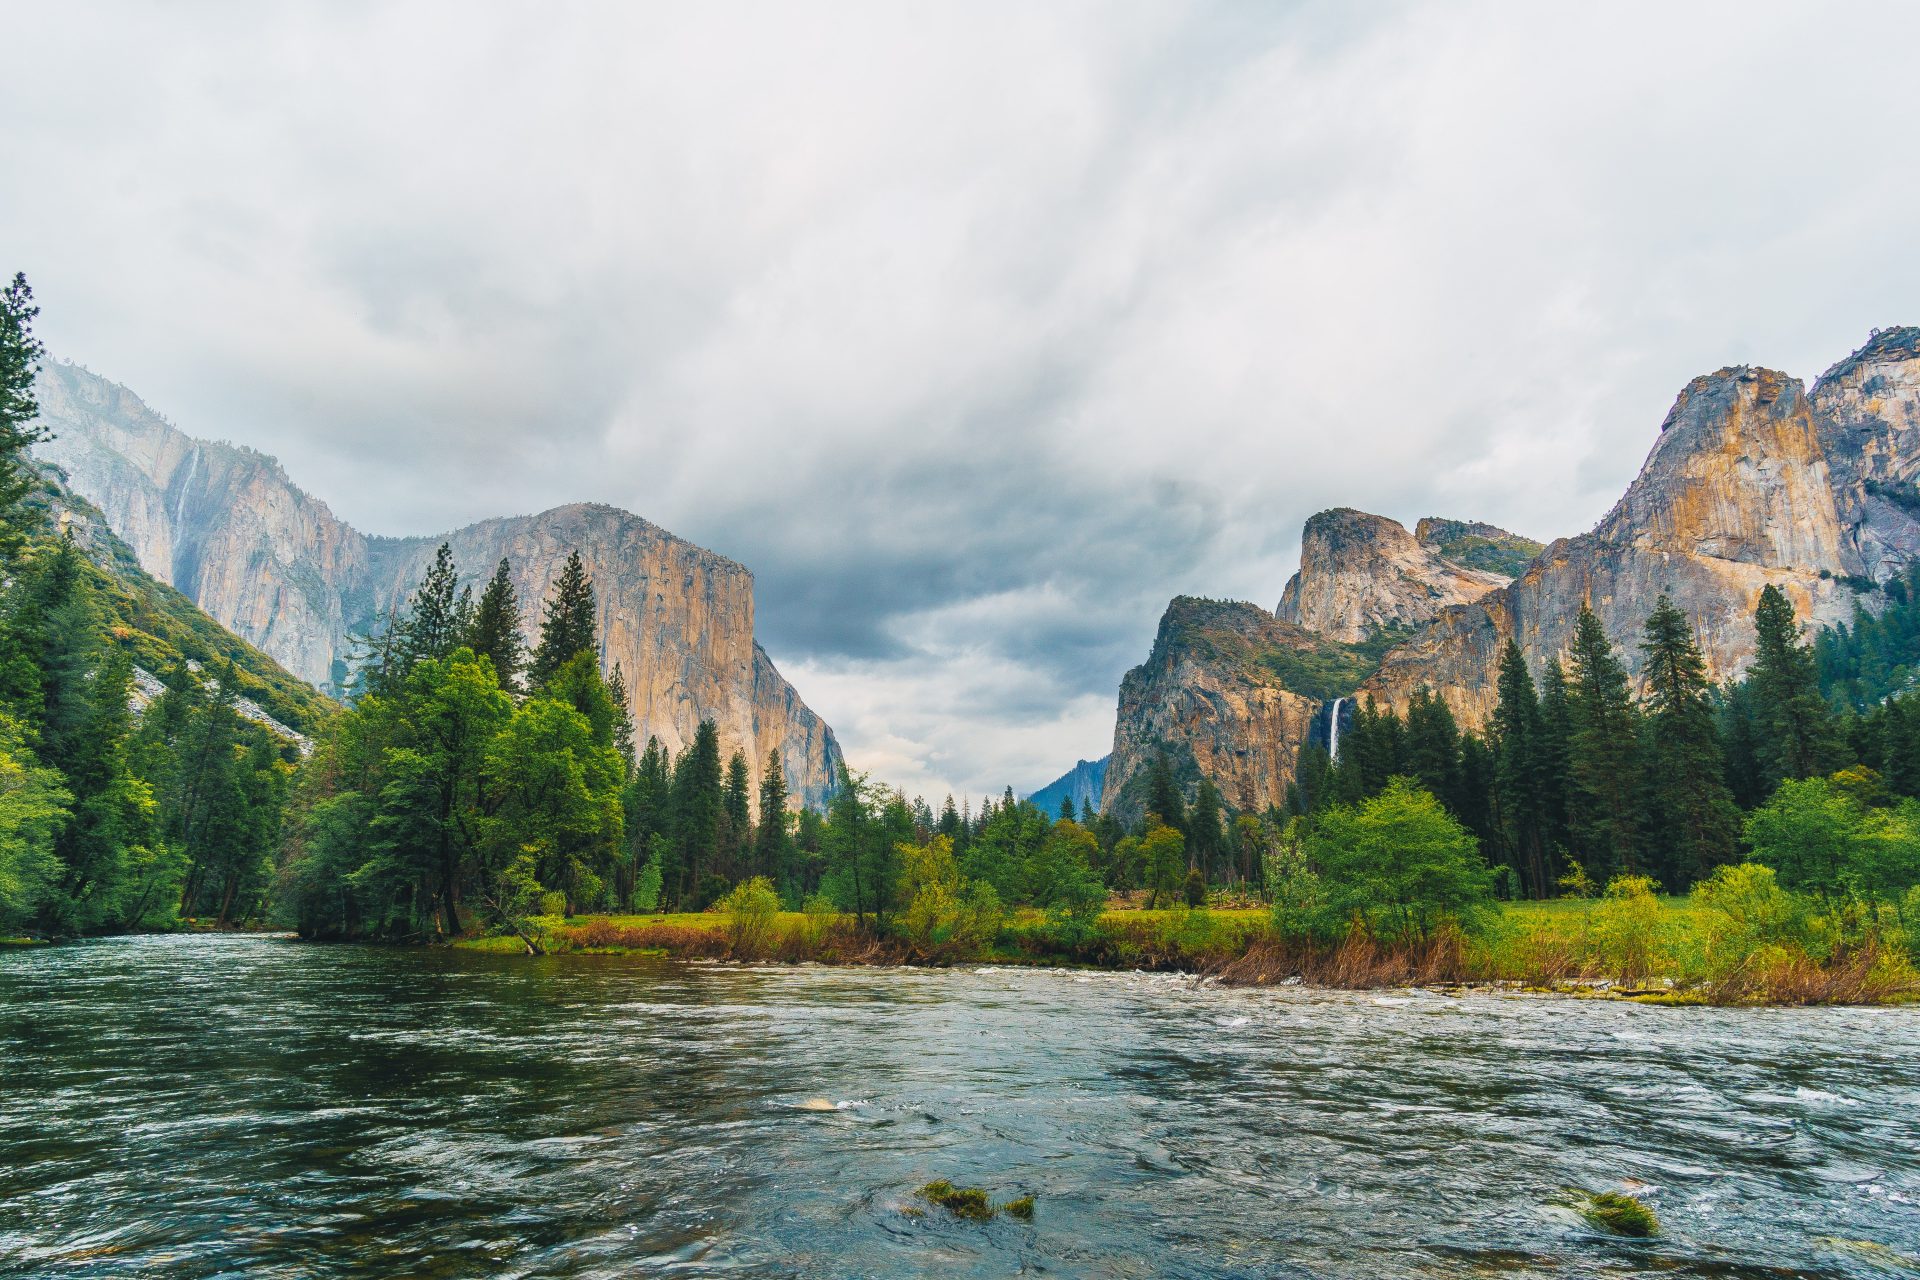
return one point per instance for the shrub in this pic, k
(1196, 888)
(553, 903)
(1627, 927)
(751, 908)
(1401, 863)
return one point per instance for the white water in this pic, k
(1333, 732)
(180, 504)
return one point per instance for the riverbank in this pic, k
(1656, 950)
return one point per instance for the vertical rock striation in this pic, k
(227, 528)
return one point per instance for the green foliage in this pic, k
(1616, 1212)
(1331, 669)
(1163, 855)
(1819, 836)
(1628, 927)
(1797, 736)
(1507, 555)
(943, 912)
(1693, 820)
(20, 356)
(570, 624)
(553, 903)
(1863, 662)
(1604, 803)
(751, 908)
(493, 632)
(33, 811)
(1401, 864)
(646, 889)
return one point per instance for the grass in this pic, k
(1654, 950)
(1615, 1211)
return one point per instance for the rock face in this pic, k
(1867, 412)
(1752, 482)
(1361, 574)
(228, 528)
(1084, 784)
(1209, 694)
(1737, 494)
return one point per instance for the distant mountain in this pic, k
(1753, 481)
(226, 527)
(1082, 784)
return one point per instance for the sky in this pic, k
(977, 331)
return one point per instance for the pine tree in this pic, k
(623, 721)
(438, 617)
(1696, 825)
(1605, 754)
(20, 356)
(1433, 748)
(495, 631)
(772, 845)
(1517, 772)
(1552, 761)
(697, 803)
(737, 806)
(1797, 736)
(570, 624)
(1205, 841)
(1163, 794)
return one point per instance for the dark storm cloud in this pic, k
(976, 333)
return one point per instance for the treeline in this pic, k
(1576, 780)
(107, 822)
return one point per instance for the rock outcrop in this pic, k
(1084, 784)
(228, 528)
(1210, 694)
(1362, 574)
(1867, 412)
(1737, 494)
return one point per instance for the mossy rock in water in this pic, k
(1617, 1212)
(1021, 1208)
(961, 1202)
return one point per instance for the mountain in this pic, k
(1752, 481)
(160, 629)
(1361, 574)
(226, 526)
(1215, 694)
(1081, 784)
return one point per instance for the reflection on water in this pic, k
(203, 1106)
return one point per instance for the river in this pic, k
(247, 1106)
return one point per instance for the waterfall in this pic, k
(1333, 732)
(180, 504)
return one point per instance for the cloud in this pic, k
(977, 332)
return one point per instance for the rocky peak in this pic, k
(1361, 574)
(227, 528)
(1867, 411)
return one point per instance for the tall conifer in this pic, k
(1696, 824)
(1604, 753)
(494, 633)
(1797, 736)
(570, 624)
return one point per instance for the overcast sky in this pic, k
(979, 331)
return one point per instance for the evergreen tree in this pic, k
(1797, 735)
(623, 714)
(1554, 761)
(1695, 824)
(1605, 754)
(1433, 748)
(1517, 769)
(737, 811)
(570, 624)
(494, 633)
(438, 617)
(773, 845)
(1206, 843)
(20, 356)
(697, 805)
(1163, 794)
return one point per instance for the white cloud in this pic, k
(976, 331)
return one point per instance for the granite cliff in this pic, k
(273, 564)
(1212, 694)
(1361, 574)
(1752, 481)
(1740, 491)
(1084, 784)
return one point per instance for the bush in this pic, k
(1196, 888)
(1627, 926)
(1402, 864)
(553, 903)
(751, 909)
(946, 915)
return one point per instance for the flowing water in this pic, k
(226, 1106)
